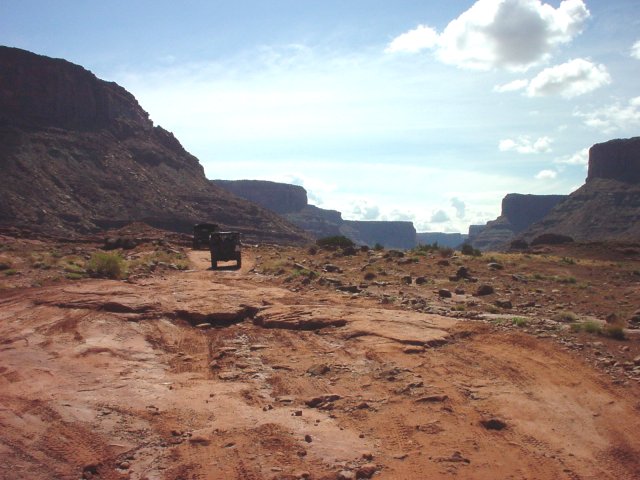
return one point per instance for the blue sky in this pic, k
(405, 110)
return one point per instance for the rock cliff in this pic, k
(291, 202)
(79, 154)
(452, 240)
(518, 213)
(607, 206)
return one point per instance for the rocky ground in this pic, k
(309, 363)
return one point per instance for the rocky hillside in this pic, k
(518, 213)
(607, 206)
(291, 202)
(79, 154)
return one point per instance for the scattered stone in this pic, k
(346, 475)
(203, 326)
(506, 304)
(636, 361)
(369, 276)
(459, 291)
(493, 424)
(495, 266)
(407, 280)
(366, 471)
(322, 400)
(444, 262)
(318, 370)
(228, 375)
(432, 399)
(444, 293)
(455, 458)
(331, 268)
(367, 456)
(400, 456)
(463, 272)
(413, 349)
(199, 440)
(421, 280)
(484, 290)
(349, 288)
(308, 439)
(519, 278)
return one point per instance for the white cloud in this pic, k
(546, 175)
(512, 34)
(525, 145)
(571, 79)
(440, 217)
(413, 41)
(614, 117)
(512, 86)
(635, 50)
(459, 206)
(581, 157)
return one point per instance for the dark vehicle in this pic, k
(225, 246)
(201, 234)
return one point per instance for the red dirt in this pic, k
(113, 379)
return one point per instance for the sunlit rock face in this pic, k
(78, 154)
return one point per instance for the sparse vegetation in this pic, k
(614, 331)
(567, 261)
(378, 247)
(565, 317)
(10, 272)
(467, 249)
(519, 321)
(107, 265)
(336, 241)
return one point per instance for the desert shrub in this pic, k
(567, 261)
(74, 276)
(446, 252)
(614, 331)
(10, 272)
(571, 280)
(519, 321)
(5, 264)
(467, 249)
(566, 317)
(378, 247)
(337, 241)
(590, 326)
(106, 265)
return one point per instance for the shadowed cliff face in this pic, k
(79, 154)
(518, 213)
(291, 202)
(607, 206)
(615, 160)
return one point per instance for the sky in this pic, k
(427, 111)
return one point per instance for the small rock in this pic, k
(636, 361)
(493, 424)
(400, 456)
(318, 370)
(484, 290)
(504, 304)
(308, 439)
(413, 349)
(444, 293)
(459, 291)
(321, 400)
(444, 262)
(203, 326)
(495, 266)
(331, 268)
(367, 456)
(366, 471)
(407, 280)
(463, 272)
(346, 475)
(199, 440)
(421, 280)
(432, 399)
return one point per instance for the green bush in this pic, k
(467, 249)
(614, 331)
(378, 247)
(337, 241)
(519, 321)
(107, 265)
(566, 317)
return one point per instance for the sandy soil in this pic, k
(247, 374)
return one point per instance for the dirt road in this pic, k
(223, 375)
